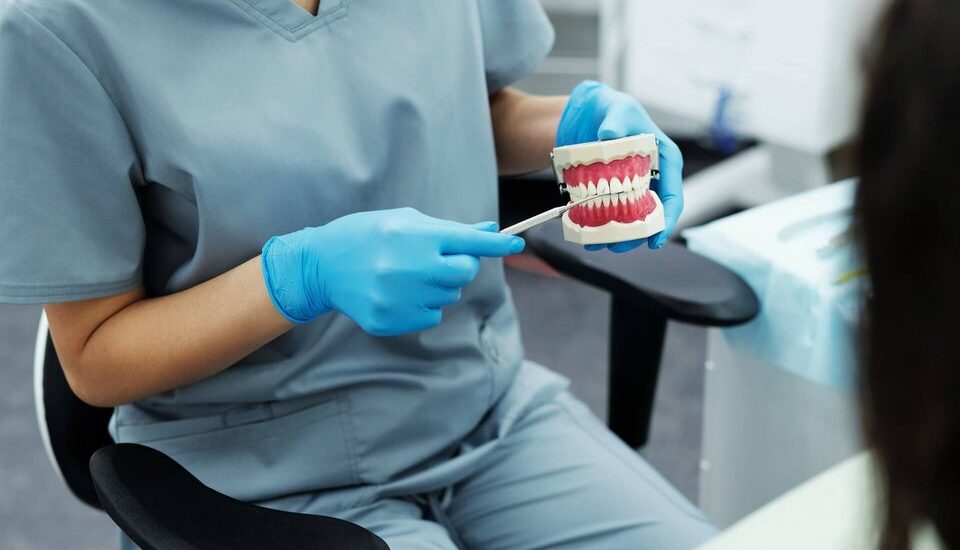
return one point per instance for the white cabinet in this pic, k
(792, 66)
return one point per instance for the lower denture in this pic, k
(626, 211)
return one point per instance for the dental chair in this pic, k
(161, 506)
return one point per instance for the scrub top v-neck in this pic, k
(162, 143)
(290, 20)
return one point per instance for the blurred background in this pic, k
(760, 95)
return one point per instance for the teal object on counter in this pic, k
(798, 256)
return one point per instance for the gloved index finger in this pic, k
(476, 242)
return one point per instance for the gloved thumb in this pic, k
(614, 128)
(620, 122)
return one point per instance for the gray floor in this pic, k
(36, 512)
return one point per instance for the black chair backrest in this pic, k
(74, 429)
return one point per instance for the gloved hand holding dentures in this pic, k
(391, 271)
(597, 112)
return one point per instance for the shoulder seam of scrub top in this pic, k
(294, 33)
(73, 52)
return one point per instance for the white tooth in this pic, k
(627, 184)
(581, 191)
(616, 186)
(606, 200)
(615, 199)
(596, 201)
(591, 189)
(636, 182)
(645, 182)
(632, 196)
(603, 187)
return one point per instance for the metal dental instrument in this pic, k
(544, 217)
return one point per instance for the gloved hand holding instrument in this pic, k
(391, 271)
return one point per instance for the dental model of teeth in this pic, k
(617, 174)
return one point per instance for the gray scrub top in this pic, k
(164, 142)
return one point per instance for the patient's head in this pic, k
(909, 223)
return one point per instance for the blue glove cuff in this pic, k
(287, 293)
(571, 121)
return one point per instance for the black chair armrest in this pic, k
(647, 289)
(673, 282)
(161, 506)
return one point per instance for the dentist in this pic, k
(238, 216)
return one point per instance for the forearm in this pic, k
(524, 129)
(152, 345)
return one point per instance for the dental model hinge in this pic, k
(655, 173)
(557, 173)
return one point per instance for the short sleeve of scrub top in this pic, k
(516, 37)
(69, 215)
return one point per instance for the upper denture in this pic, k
(621, 169)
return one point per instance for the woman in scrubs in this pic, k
(258, 229)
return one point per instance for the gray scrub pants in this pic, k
(541, 472)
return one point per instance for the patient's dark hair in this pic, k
(908, 223)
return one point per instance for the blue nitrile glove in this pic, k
(597, 111)
(390, 271)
